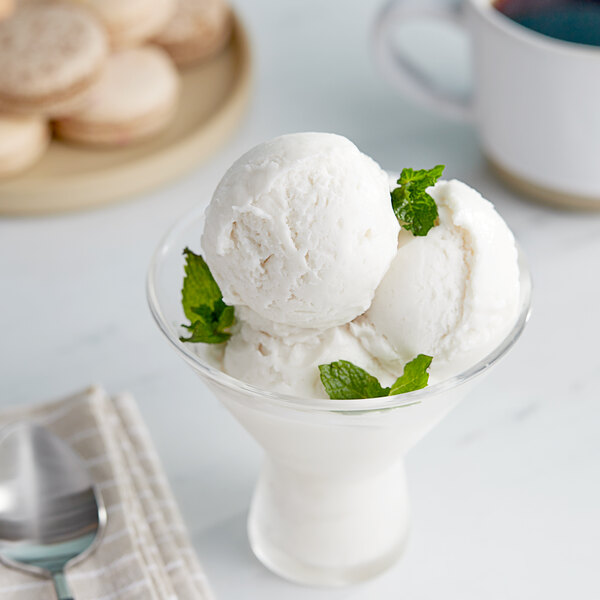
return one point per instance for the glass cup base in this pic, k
(293, 570)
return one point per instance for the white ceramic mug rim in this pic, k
(485, 10)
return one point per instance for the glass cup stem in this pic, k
(331, 530)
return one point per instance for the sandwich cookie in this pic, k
(135, 98)
(6, 8)
(132, 22)
(197, 30)
(50, 55)
(23, 140)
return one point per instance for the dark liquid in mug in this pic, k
(575, 21)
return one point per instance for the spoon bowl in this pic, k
(51, 513)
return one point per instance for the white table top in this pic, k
(505, 492)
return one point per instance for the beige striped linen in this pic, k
(145, 553)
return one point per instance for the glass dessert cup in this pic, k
(330, 506)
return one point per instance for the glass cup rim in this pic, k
(319, 404)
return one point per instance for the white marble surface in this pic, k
(506, 492)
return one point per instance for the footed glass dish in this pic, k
(330, 507)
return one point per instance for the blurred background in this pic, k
(505, 491)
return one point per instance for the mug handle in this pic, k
(401, 71)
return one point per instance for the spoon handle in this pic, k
(60, 585)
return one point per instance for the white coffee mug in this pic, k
(535, 100)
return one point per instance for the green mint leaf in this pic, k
(345, 381)
(199, 287)
(414, 377)
(204, 312)
(204, 332)
(226, 318)
(203, 304)
(414, 208)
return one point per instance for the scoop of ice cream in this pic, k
(301, 230)
(452, 294)
(287, 360)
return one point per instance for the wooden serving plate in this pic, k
(69, 177)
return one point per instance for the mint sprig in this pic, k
(414, 377)
(414, 208)
(343, 380)
(203, 305)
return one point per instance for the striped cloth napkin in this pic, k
(145, 553)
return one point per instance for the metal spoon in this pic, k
(51, 514)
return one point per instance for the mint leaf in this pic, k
(414, 208)
(345, 381)
(414, 377)
(199, 286)
(203, 304)
(203, 331)
(226, 318)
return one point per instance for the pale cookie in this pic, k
(198, 30)
(132, 22)
(50, 54)
(135, 98)
(6, 8)
(23, 140)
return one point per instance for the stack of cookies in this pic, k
(96, 72)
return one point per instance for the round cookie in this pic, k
(197, 30)
(50, 54)
(6, 8)
(131, 22)
(23, 140)
(134, 99)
